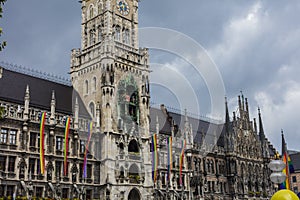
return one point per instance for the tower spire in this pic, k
(26, 103)
(261, 128)
(53, 103)
(227, 118)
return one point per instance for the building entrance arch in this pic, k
(134, 194)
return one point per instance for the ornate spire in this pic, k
(261, 128)
(227, 118)
(157, 125)
(76, 114)
(26, 103)
(255, 125)
(98, 117)
(53, 102)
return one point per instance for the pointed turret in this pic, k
(26, 104)
(227, 118)
(255, 125)
(157, 125)
(283, 144)
(240, 105)
(53, 103)
(261, 128)
(186, 124)
(98, 117)
(76, 114)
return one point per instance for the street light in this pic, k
(277, 176)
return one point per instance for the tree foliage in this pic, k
(2, 112)
(2, 44)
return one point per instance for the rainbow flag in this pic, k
(169, 146)
(154, 157)
(290, 164)
(90, 131)
(286, 183)
(289, 168)
(181, 161)
(66, 146)
(42, 145)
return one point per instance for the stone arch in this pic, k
(133, 174)
(134, 194)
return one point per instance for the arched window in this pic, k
(133, 147)
(121, 148)
(86, 87)
(100, 7)
(92, 109)
(91, 11)
(128, 100)
(118, 33)
(134, 174)
(94, 84)
(126, 36)
(122, 172)
(212, 167)
(92, 37)
(99, 34)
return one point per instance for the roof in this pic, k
(295, 158)
(13, 85)
(200, 127)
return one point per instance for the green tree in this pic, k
(2, 44)
(2, 111)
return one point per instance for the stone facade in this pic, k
(110, 88)
(295, 177)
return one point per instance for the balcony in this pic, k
(134, 156)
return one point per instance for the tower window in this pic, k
(92, 37)
(91, 11)
(99, 35)
(94, 83)
(133, 147)
(86, 87)
(100, 7)
(118, 33)
(126, 37)
(92, 109)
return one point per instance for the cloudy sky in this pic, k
(254, 44)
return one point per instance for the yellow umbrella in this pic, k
(284, 195)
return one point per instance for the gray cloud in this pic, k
(255, 44)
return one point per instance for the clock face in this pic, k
(123, 7)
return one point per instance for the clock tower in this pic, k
(110, 75)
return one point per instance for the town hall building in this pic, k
(112, 122)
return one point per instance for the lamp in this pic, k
(277, 166)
